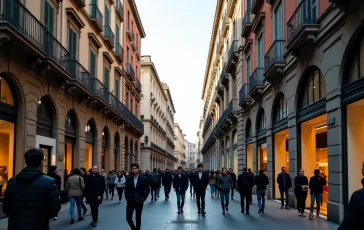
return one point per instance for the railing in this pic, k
(302, 16)
(99, 89)
(244, 93)
(130, 117)
(138, 84)
(79, 73)
(274, 54)
(114, 102)
(256, 78)
(222, 74)
(129, 69)
(233, 48)
(156, 147)
(119, 7)
(96, 14)
(247, 18)
(119, 50)
(109, 34)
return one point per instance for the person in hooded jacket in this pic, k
(28, 191)
(316, 189)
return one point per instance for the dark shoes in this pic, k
(227, 209)
(72, 221)
(80, 218)
(179, 211)
(287, 207)
(260, 210)
(203, 213)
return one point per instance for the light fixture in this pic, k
(265, 158)
(87, 128)
(39, 102)
(103, 133)
(321, 127)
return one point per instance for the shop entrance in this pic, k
(262, 158)
(281, 156)
(48, 157)
(249, 156)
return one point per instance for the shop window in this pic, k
(261, 121)
(6, 154)
(44, 118)
(6, 96)
(248, 130)
(281, 109)
(314, 88)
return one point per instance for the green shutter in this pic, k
(117, 86)
(117, 34)
(49, 16)
(93, 64)
(72, 42)
(106, 77)
(94, 2)
(107, 16)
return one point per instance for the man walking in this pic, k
(200, 180)
(84, 176)
(251, 194)
(316, 189)
(154, 180)
(31, 198)
(284, 183)
(224, 183)
(261, 181)
(245, 186)
(180, 185)
(95, 187)
(233, 177)
(192, 191)
(136, 192)
(167, 183)
(53, 173)
(106, 187)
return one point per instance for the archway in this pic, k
(104, 148)
(127, 153)
(249, 144)
(262, 153)
(117, 152)
(70, 138)
(90, 141)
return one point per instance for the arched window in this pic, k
(70, 128)
(105, 137)
(314, 87)
(44, 118)
(6, 95)
(248, 130)
(280, 110)
(89, 132)
(261, 121)
(355, 64)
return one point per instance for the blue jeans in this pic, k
(318, 197)
(261, 198)
(191, 190)
(106, 190)
(179, 196)
(282, 190)
(78, 200)
(212, 188)
(224, 198)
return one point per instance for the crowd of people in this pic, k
(32, 190)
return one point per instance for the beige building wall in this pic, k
(180, 148)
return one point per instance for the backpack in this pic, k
(153, 179)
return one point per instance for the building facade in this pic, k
(180, 147)
(154, 153)
(65, 86)
(300, 94)
(200, 146)
(192, 155)
(169, 124)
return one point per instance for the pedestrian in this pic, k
(212, 183)
(84, 177)
(31, 198)
(200, 180)
(225, 183)
(316, 189)
(136, 192)
(106, 186)
(251, 194)
(119, 182)
(160, 181)
(284, 184)
(354, 217)
(180, 186)
(245, 186)
(300, 190)
(233, 177)
(261, 181)
(75, 187)
(217, 191)
(53, 173)
(94, 190)
(192, 191)
(167, 183)
(111, 183)
(154, 180)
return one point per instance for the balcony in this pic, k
(80, 3)
(114, 103)
(130, 72)
(256, 4)
(80, 83)
(302, 28)
(224, 123)
(233, 109)
(119, 10)
(129, 34)
(219, 88)
(274, 62)
(224, 76)
(119, 51)
(99, 90)
(226, 25)
(258, 22)
(109, 36)
(233, 57)
(231, 8)
(96, 17)
(138, 85)
(247, 24)
(133, 121)
(244, 97)
(341, 4)
(256, 82)
(159, 149)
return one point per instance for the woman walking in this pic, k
(119, 182)
(111, 183)
(300, 190)
(75, 187)
(212, 183)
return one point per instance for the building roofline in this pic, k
(134, 8)
(166, 87)
(151, 64)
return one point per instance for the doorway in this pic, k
(47, 157)
(281, 156)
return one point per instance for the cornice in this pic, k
(166, 87)
(134, 8)
(154, 70)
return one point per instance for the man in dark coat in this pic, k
(284, 183)
(180, 185)
(53, 173)
(245, 186)
(167, 183)
(233, 177)
(31, 198)
(200, 180)
(84, 176)
(136, 192)
(94, 190)
(251, 195)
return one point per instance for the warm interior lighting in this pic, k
(39, 102)
(321, 127)
(265, 158)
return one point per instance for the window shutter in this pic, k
(117, 33)
(93, 64)
(106, 77)
(117, 86)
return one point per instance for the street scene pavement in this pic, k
(163, 215)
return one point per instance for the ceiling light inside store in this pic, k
(321, 127)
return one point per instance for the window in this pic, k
(93, 63)
(136, 109)
(49, 16)
(315, 88)
(281, 109)
(107, 16)
(261, 121)
(117, 33)
(127, 55)
(278, 22)
(356, 62)
(106, 77)
(248, 130)
(127, 100)
(131, 105)
(72, 43)
(128, 21)
(248, 68)
(117, 88)
(260, 54)
(136, 71)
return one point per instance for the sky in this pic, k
(178, 39)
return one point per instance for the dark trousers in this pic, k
(120, 192)
(83, 206)
(246, 196)
(301, 202)
(200, 196)
(111, 190)
(153, 192)
(167, 190)
(95, 211)
(232, 192)
(130, 207)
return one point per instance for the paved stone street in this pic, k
(163, 215)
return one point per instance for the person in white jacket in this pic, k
(119, 182)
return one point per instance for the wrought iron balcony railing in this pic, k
(120, 9)
(119, 50)
(256, 78)
(222, 74)
(247, 18)
(113, 102)
(109, 34)
(244, 93)
(99, 89)
(129, 69)
(233, 48)
(138, 84)
(95, 13)
(274, 54)
(79, 73)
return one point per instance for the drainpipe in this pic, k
(62, 22)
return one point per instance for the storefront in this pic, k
(105, 140)
(235, 155)
(262, 155)
(249, 144)
(90, 157)
(69, 143)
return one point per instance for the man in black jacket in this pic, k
(180, 185)
(53, 173)
(261, 181)
(28, 191)
(233, 177)
(200, 180)
(245, 186)
(84, 176)
(284, 184)
(316, 189)
(167, 183)
(136, 192)
(94, 190)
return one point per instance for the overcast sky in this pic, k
(178, 38)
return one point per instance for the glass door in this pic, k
(47, 157)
